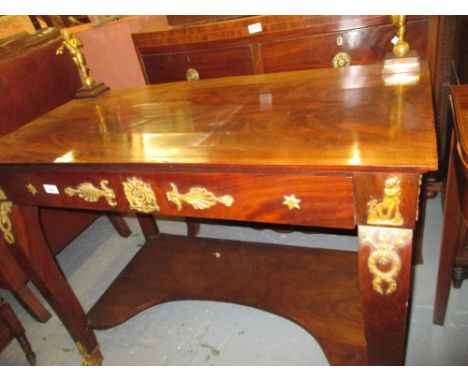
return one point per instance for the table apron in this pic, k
(297, 199)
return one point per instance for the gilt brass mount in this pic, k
(5, 222)
(386, 211)
(199, 198)
(91, 193)
(89, 359)
(384, 262)
(291, 201)
(192, 74)
(140, 195)
(340, 60)
(31, 189)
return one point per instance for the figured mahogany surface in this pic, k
(327, 119)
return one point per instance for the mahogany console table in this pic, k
(328, 147)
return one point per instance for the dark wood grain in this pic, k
(236, 30)
(324, 120)
(318, 289)
(209, 63)
(58, 82)
(365, 46)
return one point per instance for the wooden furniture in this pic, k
(35, 81)
(218, 48)
(453, 263)
(324, 147)
(10, 328)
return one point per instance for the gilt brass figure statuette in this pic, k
(401, 48)
(73, 44)
(387, 211)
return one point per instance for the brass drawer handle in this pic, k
(340, 60)
(192, 74)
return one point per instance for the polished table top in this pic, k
(328, 119)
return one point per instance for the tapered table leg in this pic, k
(384, 274)
(148, 225)
(119, 224)
(32, 251)
(450, 246)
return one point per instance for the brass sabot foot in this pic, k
(90, 359)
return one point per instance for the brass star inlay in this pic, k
(31, 189)
(291, 201)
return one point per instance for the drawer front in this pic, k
(315, 200)
(209, 63)
(365, 46)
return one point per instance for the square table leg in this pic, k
(384, 275)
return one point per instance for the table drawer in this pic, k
(207, 63)
(315, 200)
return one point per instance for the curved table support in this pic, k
(34, 254)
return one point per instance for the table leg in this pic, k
(33, 252)
(119, 224)
(451, 243)
(148, 225)
(384, 273)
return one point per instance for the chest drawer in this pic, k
(365, 46)
(208, 63)
(310, 200)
